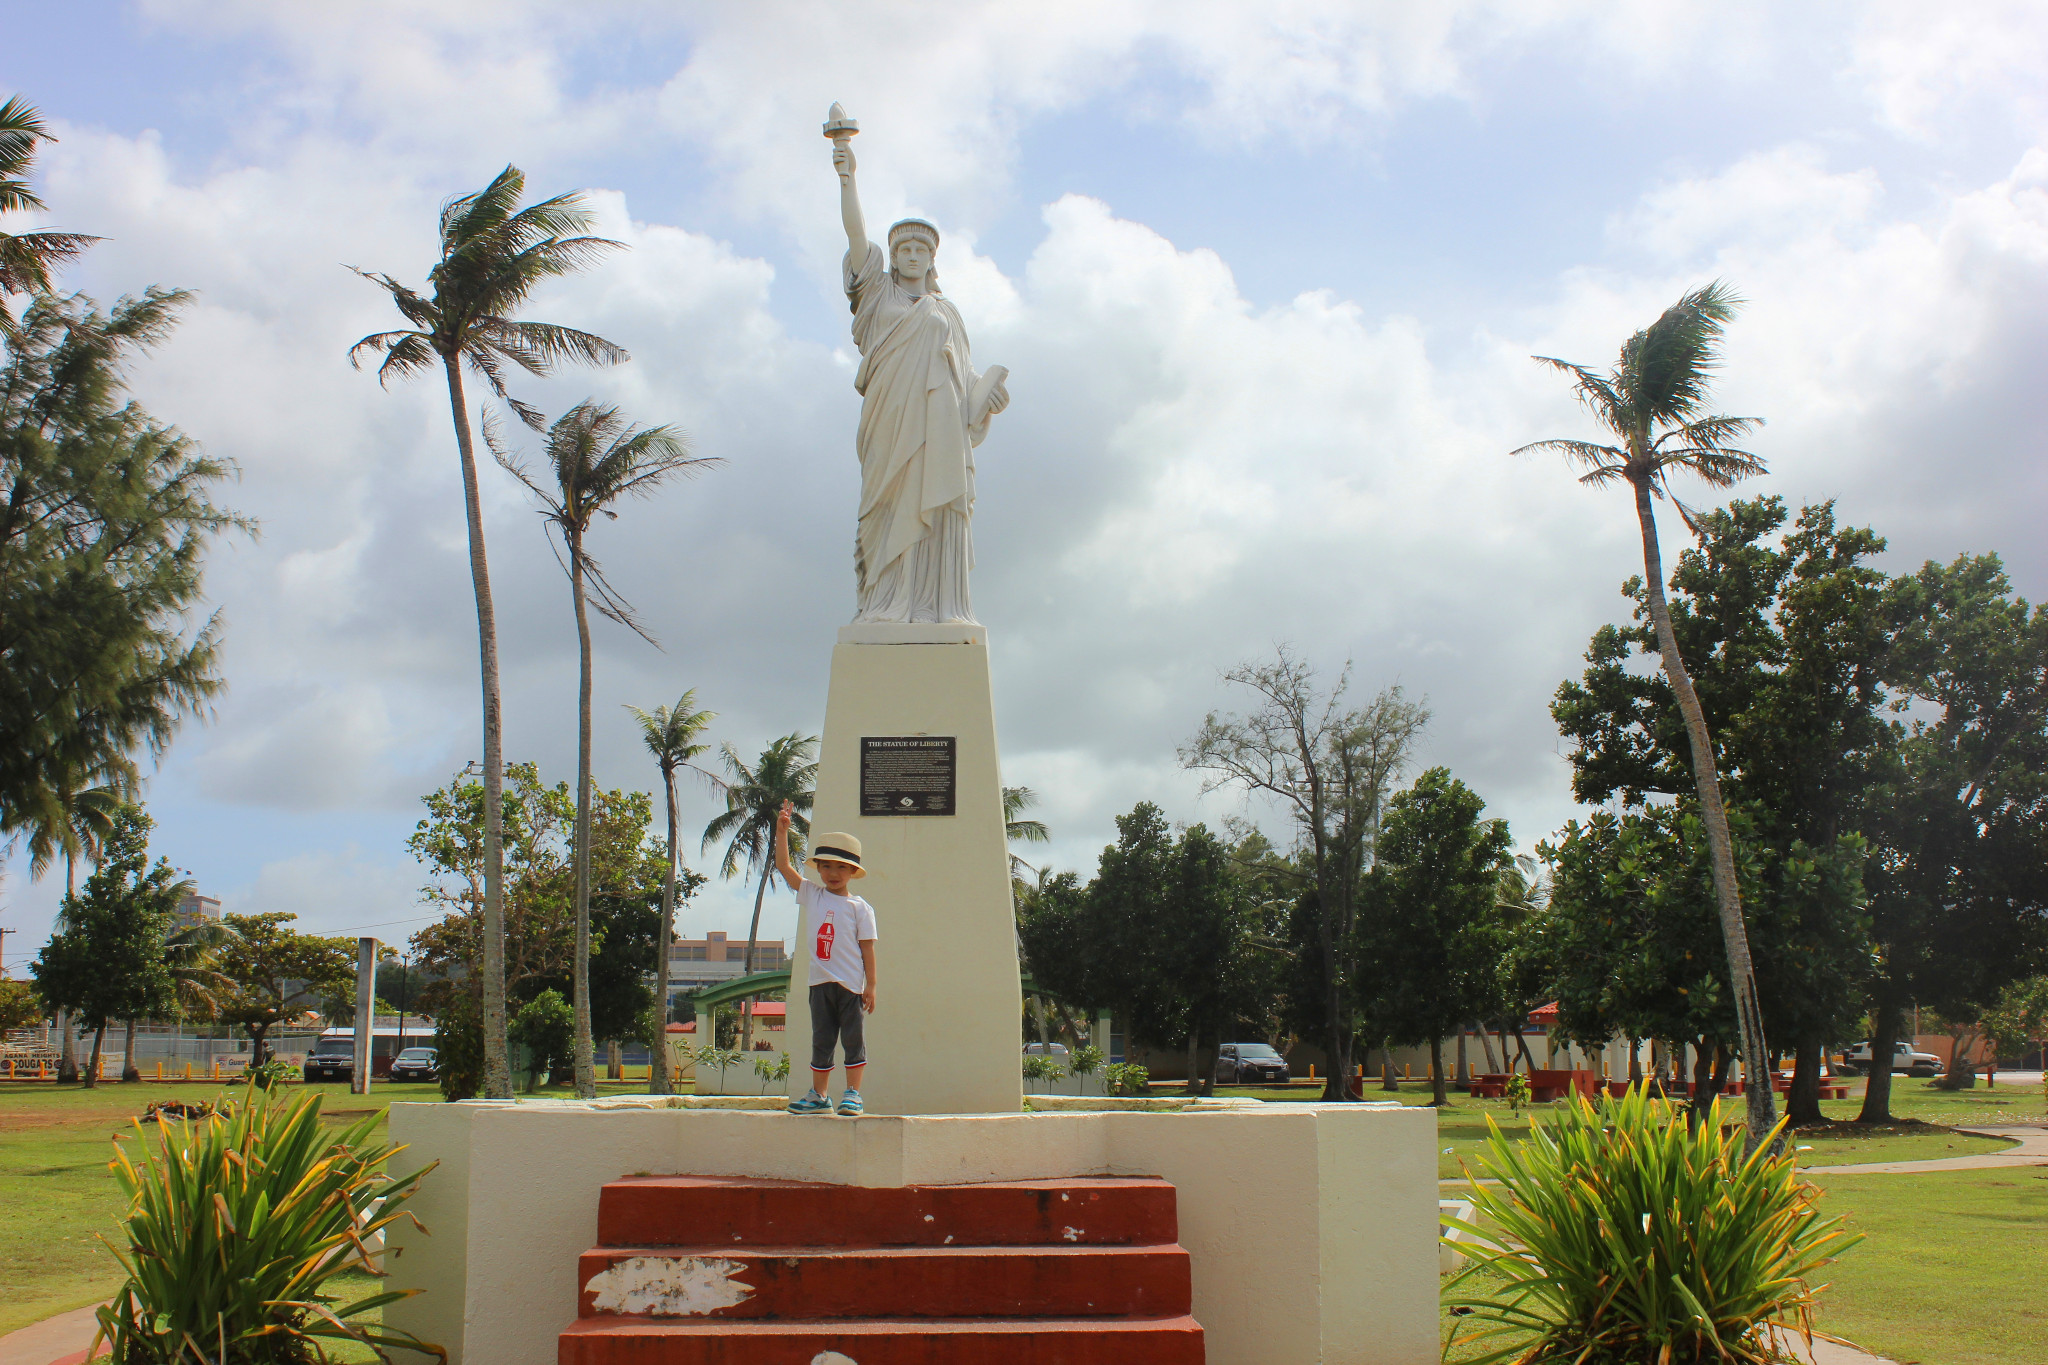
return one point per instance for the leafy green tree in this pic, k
(20, 1006)
(105, 517)
(1330, 768)
(1654, 403)
(1959, 826)
(670, 733)
(278, 973)
(26, 258)
(597, 459)
(78, 822)
(1427, 918)
(493, 254)
(1791, 638)
(546, 1026)
(786, 771)
(106, 962)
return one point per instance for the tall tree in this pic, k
(493, 253)
(1654, 402)
(1790, 632)
(1331, 769)
(596, 459)
(26, 258)
(85, 819)
(670, 733)
(106, 962)
(1959, 827)
(1427, 915)
(105, 516)
(278, 973)
(786, 771)
(1019, 828)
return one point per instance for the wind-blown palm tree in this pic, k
(85, 817)
(26, 258)
(492, 255)
(671, 735)
(1018, 830)
(1654, 402)
(596, 458)
(786, 771)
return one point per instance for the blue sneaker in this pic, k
(850, 1105)
(811, 1103)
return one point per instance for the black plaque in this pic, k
(907, 774)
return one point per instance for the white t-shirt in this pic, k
(838, 925)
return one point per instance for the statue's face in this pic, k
(913, 257)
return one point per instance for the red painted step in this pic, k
(915, 1282)
(679, 1210)
(1042, 1341)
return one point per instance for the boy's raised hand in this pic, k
(782, 817)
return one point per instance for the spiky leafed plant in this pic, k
(786, 771)
(671, 735)
(492, 255)
(1654, 402)
(26, 258)
(596, 458)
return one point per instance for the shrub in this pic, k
(1516, 1092)
(235, 1222)
(1040, 1068)
(771, 1072)
(1086, 1061)
(1631, 1236)
(546, 1025)
(1126, 1078)
(272, 1072)
(459, 1044)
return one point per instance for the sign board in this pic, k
(907, 774)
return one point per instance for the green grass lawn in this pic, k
(55, 1143)
(1923, 1132)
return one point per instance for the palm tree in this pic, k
(1654, 402)
(27, 257)
(597, 458)
(85, 819)
(786, 771)
(671, 734)
(492, 255)
(1016, 829)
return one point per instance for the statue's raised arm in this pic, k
(924, 408)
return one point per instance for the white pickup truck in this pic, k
(1856, 1061)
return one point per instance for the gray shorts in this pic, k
(836, 1018)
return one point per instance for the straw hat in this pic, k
(838, 848)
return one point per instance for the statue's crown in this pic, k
(913, 227)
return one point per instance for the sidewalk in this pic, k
(2032, 1151)
(53, 1341)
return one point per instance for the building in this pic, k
(196, 909)
(694, 963)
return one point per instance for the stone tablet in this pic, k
(907, 774)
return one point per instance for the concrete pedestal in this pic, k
(1311, 1230)
(945, 1035)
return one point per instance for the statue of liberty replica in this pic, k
(924, 408)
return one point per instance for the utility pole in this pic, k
(3, 951)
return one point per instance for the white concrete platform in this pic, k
(1312, 1228)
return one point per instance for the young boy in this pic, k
(842, 958)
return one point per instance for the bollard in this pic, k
(159, 1069)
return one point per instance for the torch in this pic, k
(838, 126)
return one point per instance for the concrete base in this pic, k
(1312, 1229)
(940, 884)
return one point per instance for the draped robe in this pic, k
(913, 548)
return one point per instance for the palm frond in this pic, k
(21, 128)
(1595, 391)
(1671, 361)
(27, 258)
(540, 345)
(1716, 468)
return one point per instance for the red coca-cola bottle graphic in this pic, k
(826, 933)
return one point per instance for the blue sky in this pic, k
(1266, 278)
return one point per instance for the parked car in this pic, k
(332, 1059)
(414, 1064)
(1250, 1064)
(1856, 1061)
(1041, 1050)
